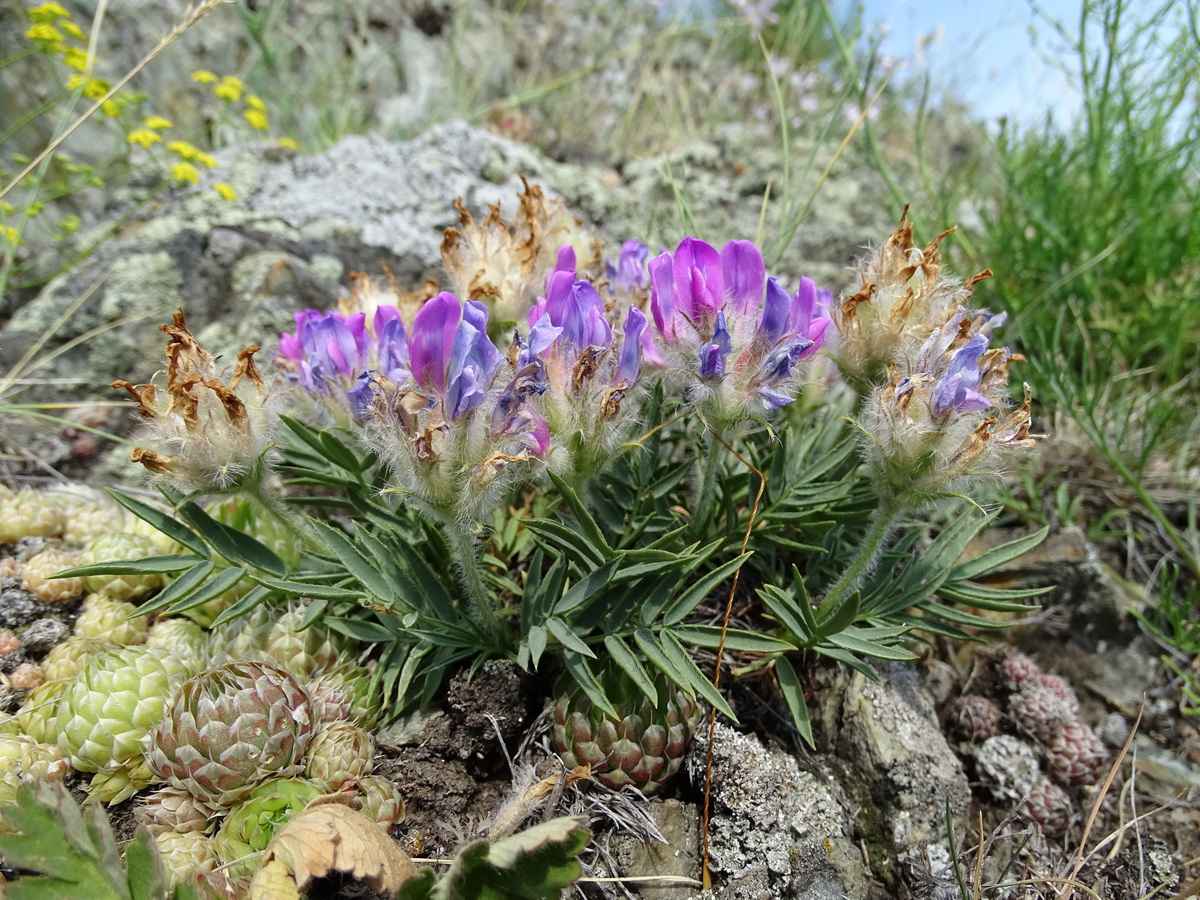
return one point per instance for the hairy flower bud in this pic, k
(215, 428)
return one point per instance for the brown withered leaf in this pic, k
(327, 837)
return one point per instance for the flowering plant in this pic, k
(610, 474)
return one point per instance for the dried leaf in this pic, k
(329, 837)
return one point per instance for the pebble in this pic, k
(43, 635)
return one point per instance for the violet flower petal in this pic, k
(744, 274)
(431, 340)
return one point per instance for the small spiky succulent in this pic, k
(1059, 687)
(190, 857)
(1040, 711)
(1049, 806)
(172, 809)
(273, 634)
(1076, 756)
(347, 694)
(29, 513)
(179, 636)
(36, 718)
(380, 800)
(105, 714)
(121, 546)
(1017, 671)
(973, 717)
(23, 757)
(66, 660)
(340, 755)
(252, 823)
(643, 746)
(105, 618)
(38, 568)
(231, 727)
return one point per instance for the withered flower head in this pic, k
(500, 263)
(902, 296)
(214, 424)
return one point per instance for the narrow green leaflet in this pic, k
(222, 582)
(997, 556)
(587, 587)
(356, 564)
(632, 666)
(162, 521)
(684, 663)
(793, 696)
(691, 598)
(736, 640)
(169, 563)
(567, 637)
(587, 525)
(236, 546)
(179, 588)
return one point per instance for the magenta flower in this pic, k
(736, 334)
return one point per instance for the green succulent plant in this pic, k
(251, 824)
(106, 713)
(643, 745)
(230, 728)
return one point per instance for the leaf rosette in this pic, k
(230, 728)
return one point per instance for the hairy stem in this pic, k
(868, 553)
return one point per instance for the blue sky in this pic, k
(983, 48)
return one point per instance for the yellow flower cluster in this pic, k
(51, 29)
(230, 89)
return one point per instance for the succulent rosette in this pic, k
(643, 746)
(278, 635)
(104, 716)
(345, 693)
(175, 810)
(380, 800)
(339, 755)
(252, 823)
(23, 757)
(121, 546)
(737, 337)
(230, 728)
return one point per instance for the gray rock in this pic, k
(887, 734)
(679, 824)
(43, 635)
(775, 830)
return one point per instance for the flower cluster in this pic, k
(584, 371)
(902, 296)
(448, 410)
(738, 336)
(928, 424)
(217, 430)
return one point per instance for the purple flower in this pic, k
(629, 274)
(630, 365)
(743, 272)
(955, 390)
(328, 346)
(473, 363)
(432, 339)
(731, 325)
(712, 357)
